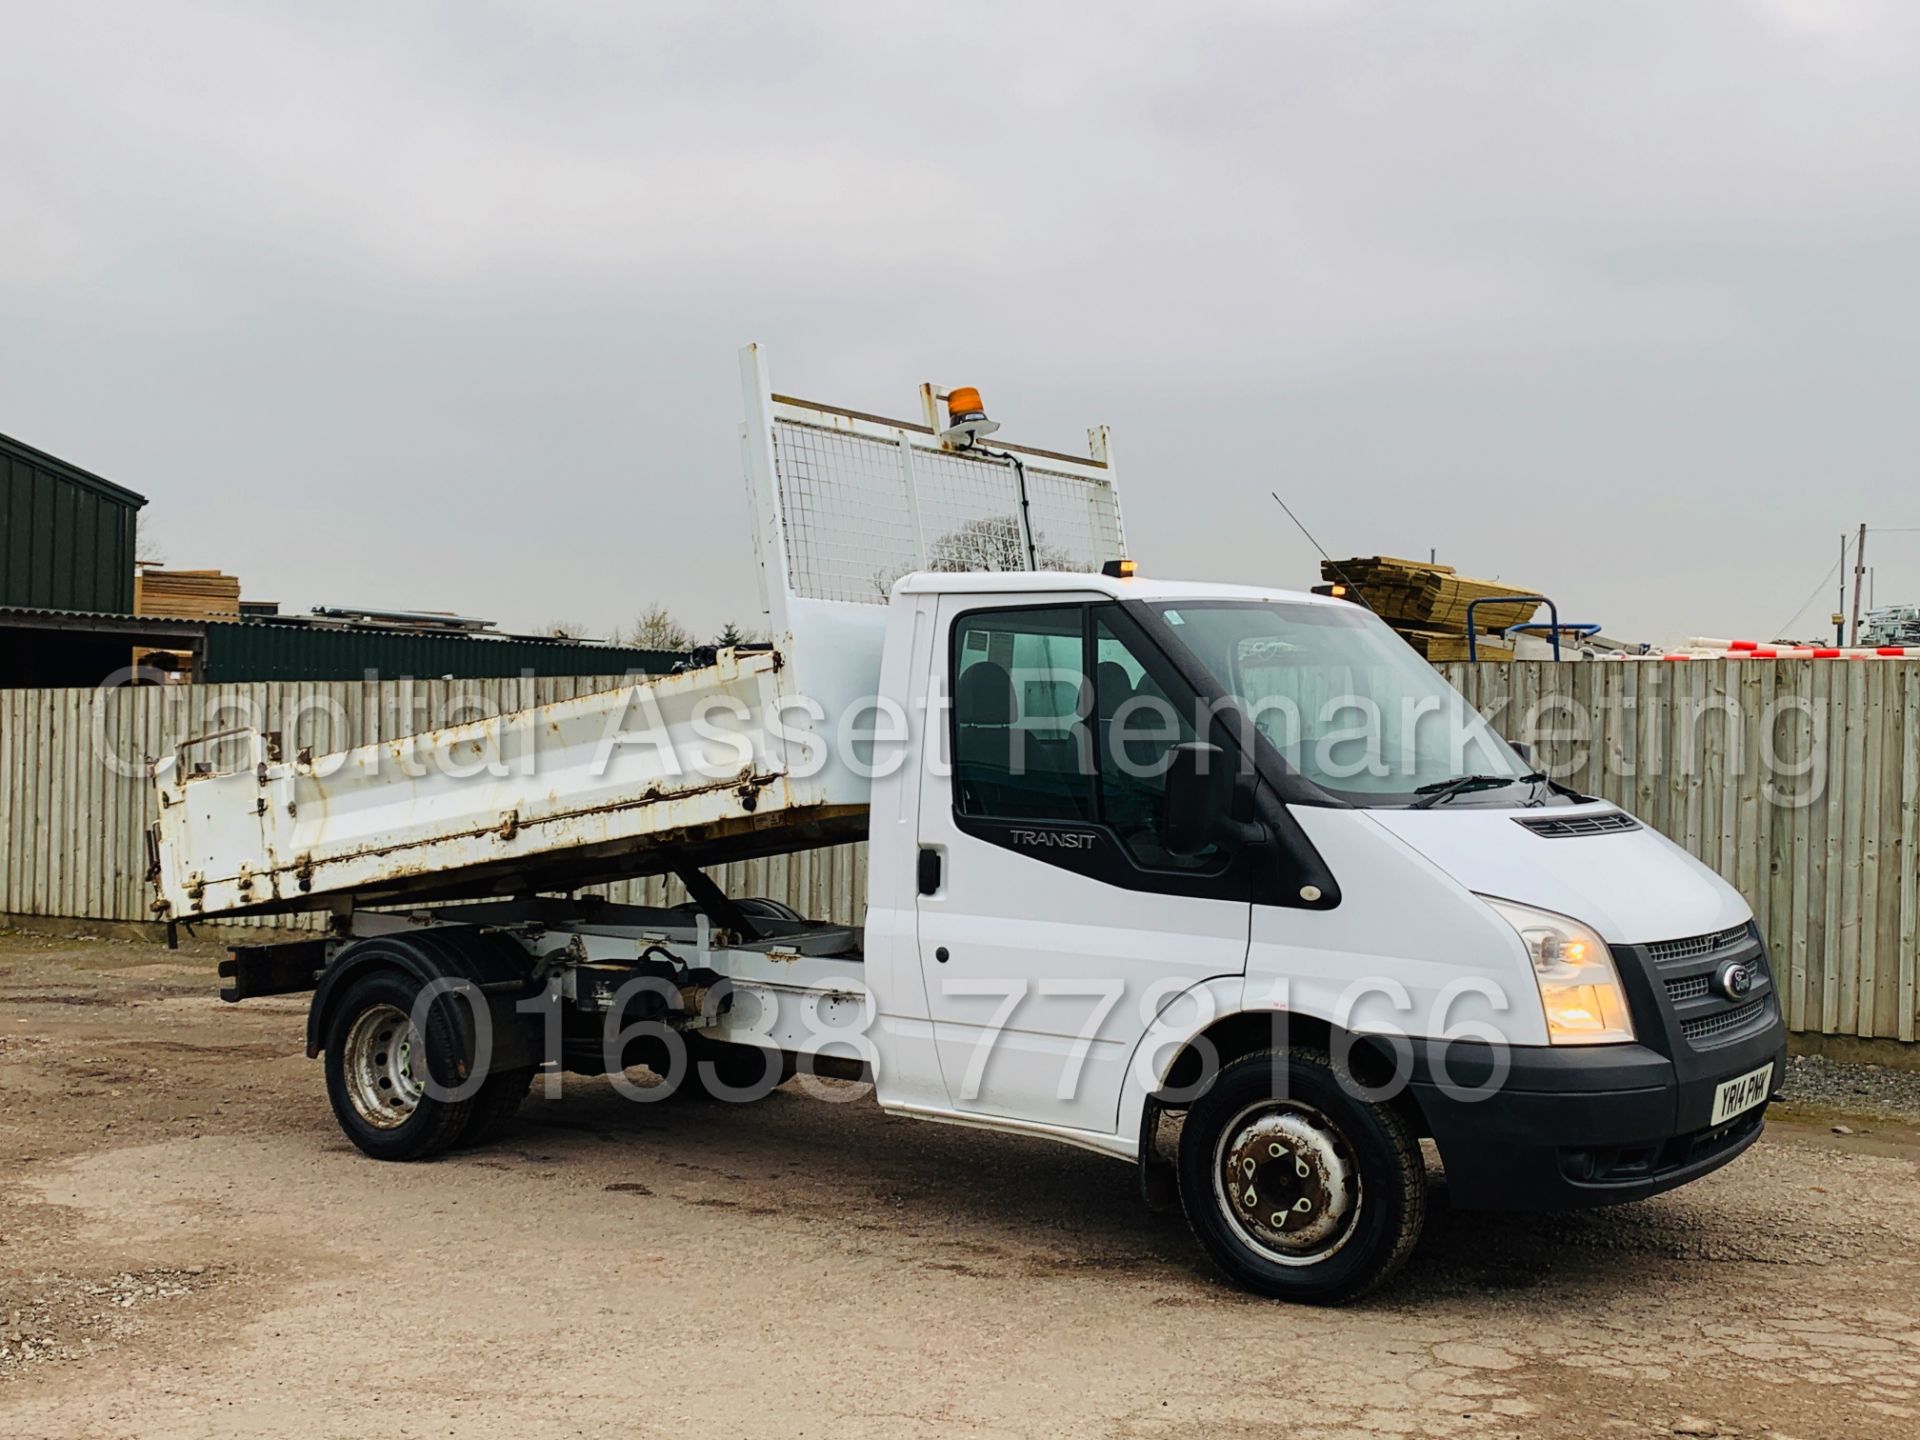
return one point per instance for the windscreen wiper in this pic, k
(1431, 795)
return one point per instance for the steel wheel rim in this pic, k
(384, 1063)
(1287, 1182)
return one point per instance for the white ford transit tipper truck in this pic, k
(1140, 851)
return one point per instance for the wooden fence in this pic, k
(1799, 780)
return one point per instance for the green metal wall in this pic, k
(247, 652)
(66, 537)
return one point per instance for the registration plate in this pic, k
(1741, 1094)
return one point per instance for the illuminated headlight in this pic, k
(1579, 986)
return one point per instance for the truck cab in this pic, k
(1163, 837)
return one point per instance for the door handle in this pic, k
(929, 878)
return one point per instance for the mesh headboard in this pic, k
(853, 501)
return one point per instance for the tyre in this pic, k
(378, 1065)
(1295, 1188)
(496, 1103)
(718, 1070)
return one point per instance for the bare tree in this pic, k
(992, 542)
(146, 550)
(658, 629)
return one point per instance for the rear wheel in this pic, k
(718, 1070)
(495, 1105)
(379, 1062)
(1296, 1188)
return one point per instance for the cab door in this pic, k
(1053, 925)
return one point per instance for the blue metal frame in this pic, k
(1553, 626)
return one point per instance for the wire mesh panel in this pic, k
(1074, 518)
(860, 511)
(848, 513)
(969, 510)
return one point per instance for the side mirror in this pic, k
(1207, 800)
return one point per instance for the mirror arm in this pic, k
(1230, 828)
(1245, 833)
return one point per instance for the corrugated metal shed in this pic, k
(268, 650)
(51, 648)
(43, 647)
(66, 536)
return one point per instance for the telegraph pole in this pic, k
(1859, 574)
(1840, 610)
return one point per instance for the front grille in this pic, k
(1688, 1006)
(1696, 947)
(1707, 1026)
(1688, 987)
(1565, 827)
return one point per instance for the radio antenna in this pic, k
(1332, 564)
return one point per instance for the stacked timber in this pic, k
(186, 594)
(1436, 646)
(1427, 604)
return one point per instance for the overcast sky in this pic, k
(437, 305)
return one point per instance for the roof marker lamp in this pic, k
(1118, 569)
(1580, 988)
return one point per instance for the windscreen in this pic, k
(1343, 698)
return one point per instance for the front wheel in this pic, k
(1296, 1188)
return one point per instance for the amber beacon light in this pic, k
(966, 417)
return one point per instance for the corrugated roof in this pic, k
(243, 651)
(298, 625)
(120, 618)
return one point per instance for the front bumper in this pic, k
(1577, 1126)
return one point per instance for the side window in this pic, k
(1138, 727)
(1046, 729)
(1021, 744)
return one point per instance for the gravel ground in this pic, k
(1875, 1090)
(189, 1248)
